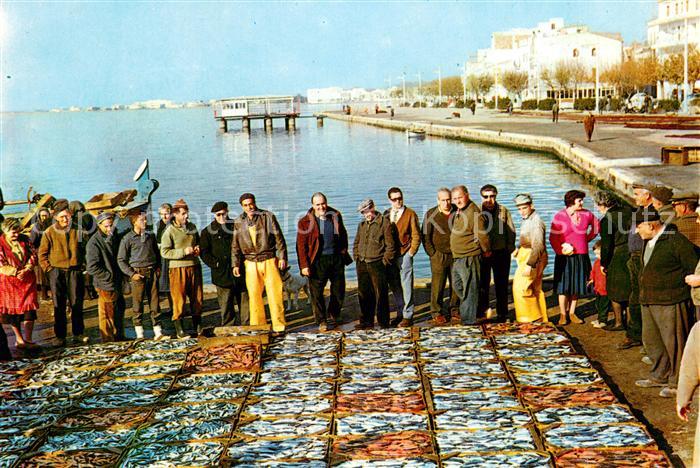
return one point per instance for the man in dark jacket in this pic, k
(215, 245)
(139, 260)
(373, 250)
(102, 264)
(259, 245)
(501, 232)
(322, 248)
(665, 297)
(436, 242)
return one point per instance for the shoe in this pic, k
(563, 320)
(364, 326)
(628, 343)
(396, 321)
(30, 345)
(647, 360)
(331, 323)
(139, 332)
(61, 342)
(439, 319)
(613, 327)
(178, 330)
(322, 327)
(158, 334)
(575, 319)
(648, 383)
(405, 323)
(455, 319)
(81, 339)
(668, 392)
(385, 326)
(277, 334)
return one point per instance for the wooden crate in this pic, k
(674, 155)
(693, 153)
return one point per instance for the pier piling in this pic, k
(268, 124)
(319, 121)
(223, 125)
(291, 123)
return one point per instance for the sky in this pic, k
(60, 54)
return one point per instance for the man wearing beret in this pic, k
(62, 256)
(373, 250)
(102, 265)
(259, 246)
(684, 205)
(661, 200)
(180, 245)
(216, 253)
(667, 259)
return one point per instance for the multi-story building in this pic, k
(324, 95)
(544, 47)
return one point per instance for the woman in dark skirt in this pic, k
(614, 229)
(164, 212)
(572, 228)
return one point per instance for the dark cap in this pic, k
(181, 204)
(685, 196)
(661, 193)
(218, 206)
(646, 215)
(246, 196)
(103, 216)
(60, 205)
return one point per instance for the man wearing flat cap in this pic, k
(216, 253)
(62, 257)
(661, 201)
(102, 265)
(684, 206)
(667, 259)
(259, 247)
(180, 245)
(373, 250)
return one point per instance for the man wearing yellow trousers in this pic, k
(259, 244)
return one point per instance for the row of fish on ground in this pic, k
(498, 395)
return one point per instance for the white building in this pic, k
(543, 47)
(324, 95)
(338, 95)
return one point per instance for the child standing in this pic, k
(602, 303)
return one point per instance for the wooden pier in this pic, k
(265, 108)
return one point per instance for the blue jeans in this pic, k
(401, 284)
(466, 272)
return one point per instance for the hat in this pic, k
(661, 193)
(246, 196)
(218, 206)
(646, 215)
(103, 216)
(180, 204)
(685, 196)
(367, 204)
(522, 199)
(640, 185)
(60, 205)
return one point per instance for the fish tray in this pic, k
(281, 428)
(118, 400)
(415, 462)
(250, 450)
(587, 415)
(535, 352)
(180, 455)
(288, 407)
(88, 439)
(485, 440)
(146, 384)
(260, 331)
(469, 383)
(478, 399)
(27, 424)
(529, 459)
(642, 458)
(141, 369)
(182, 431)
(453, 332)
(20, 366)
(449, 342)
(34, 405)
(373, 423)
(598, 436)
(166, 345)
(104, 419)
(394, 335)
(455, 420)
(293, 389)
(351, 387)
(567, 363)
(451, 368)
(530, 339)
(404, 444)
(493, 329)
(213, 380)
(381, 403)
(71, 459)
(208, 394)
(143, 356)
(380, 372)
(300, 374)
(566, 396)
(197, 412)
(225, 354)
(559, 379)
(377, 358)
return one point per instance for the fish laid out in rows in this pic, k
(640, 458)
(289, 406)
(288, 362)
(196, 395)
(393, 463)
(393, 335)
(106, 419)
(384, 346)
(498, 460)
(88, 439)
(487, 440)
(599, 435)
(20, 366)
(404, 444)
(293, 389)
(380, 372)
(76, 458)
(381, 422)
(175, 431)
(228, 357)
(452, 333)
(450, 342)
(25, 423)
(469, 382)
(187, 454)
(584, 415)
(481, 419)
(459, 355)
(76, 362)
(380, 403)
(565, 363)
(377, 357)
(214, 380)
(532, 339)
(154, 356)
(566, 396)
(167, 345)
(69, 374)
(556, 379)
(476, 400)
(286, 427)
(381, 386)
(100, 349)
(443, 368)
(161, 384)
(310, 448)
(118, 400)
(197, 412)
(36, 405)
(518, 328)
(529, 352)
(298, 374)
(142, 370)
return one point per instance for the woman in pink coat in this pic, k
(572, 229)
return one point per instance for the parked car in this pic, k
(693, 102)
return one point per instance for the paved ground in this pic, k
(611, 141)
(621, 368)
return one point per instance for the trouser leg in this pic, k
(275, 296)
(484, 286)
(225, 298)
(76, 295)
(59, 295)
(153, 299)
(393, 274)
(194, 289)
(438, 281)
(501, 271)
(673, 324)
(106, 318)
(406, 273)
(635, 321)
(254, 284)
(654, 345)
(602, 306)
(336, 275)
(381, 292)
(469, 288)
(243, 316)
(138, 289)
(365, 293)
(177, 291)
(317, 282)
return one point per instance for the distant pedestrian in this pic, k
(667, 259)
(102, 265)
(62, 257)
(180, 245)
(322, 248)
(259, 249)
(469, 242)
(555, 112)
(215, 243)
(18, 301)
(599, 283)
(407, 230)
(589, 125)
(572, 229)
(501, 232)
(472, 107)
(436, 242)
(531, 256)
(685, 204)
(373, 250)
(139, 260)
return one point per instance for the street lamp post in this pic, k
(464, 85)
(685, 64)
(388, 81)
(403, 80)
(439, 74)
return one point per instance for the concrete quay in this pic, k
(617, 157)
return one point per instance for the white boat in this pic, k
(415, 133)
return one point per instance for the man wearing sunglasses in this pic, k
(407, 230)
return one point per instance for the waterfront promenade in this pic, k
(617, 156)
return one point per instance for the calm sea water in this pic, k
(76, 155)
